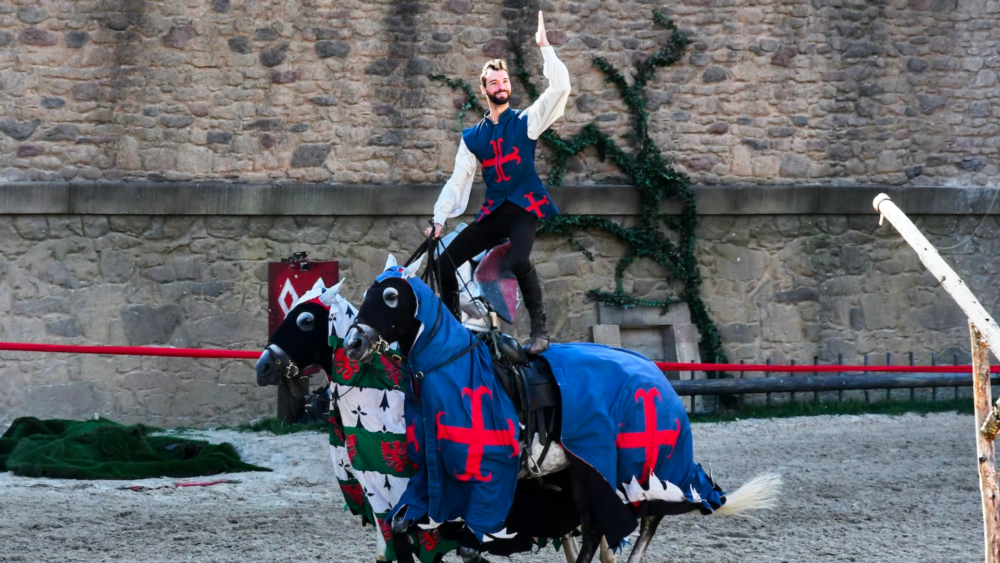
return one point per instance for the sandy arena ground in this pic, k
(865, 488)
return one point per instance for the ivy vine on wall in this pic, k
(648, 171)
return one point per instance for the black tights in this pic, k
(506, 221)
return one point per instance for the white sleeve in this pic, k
(454, 196)
(550, 105)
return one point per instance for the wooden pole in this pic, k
(947, 277)
(988, 486)
(985, 337)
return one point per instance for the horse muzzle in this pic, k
(273, 365)
(359, 343)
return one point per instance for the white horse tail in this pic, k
(760, 493)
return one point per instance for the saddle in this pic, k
(532, 388)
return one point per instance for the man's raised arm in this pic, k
(550, 105)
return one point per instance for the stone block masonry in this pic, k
(899, 92)
(291, 94)
(784, 285)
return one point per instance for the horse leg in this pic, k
(591, 541)
(607, 556)
(592, 535)
(647, 527)
(404, 552)
(469, 548)
(570, 549)
(471, 555)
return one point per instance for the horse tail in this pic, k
(759, 493)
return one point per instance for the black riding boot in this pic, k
(452, 302)
(531, 290)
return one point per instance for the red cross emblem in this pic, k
(651, 439)
(535, 206)
(499, 159)
(484, 210)
(411, 437)
(477, 437)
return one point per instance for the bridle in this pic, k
(382, 347)
(286, 366)
(432, 277)
(378, 347)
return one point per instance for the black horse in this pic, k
(302, 343)
(390, 314)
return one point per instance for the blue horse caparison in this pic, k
(621, 422)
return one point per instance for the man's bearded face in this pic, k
(498, 87)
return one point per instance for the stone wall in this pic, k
(794, 288)
(831, 92)
(834, 91)
(780, 287)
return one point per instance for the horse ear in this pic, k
(390, 263)
(315, 291)
(330, 295)
(412, 269)
(336, 288)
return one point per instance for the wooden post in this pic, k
(947, 277)
(984, 448)
(985, 335)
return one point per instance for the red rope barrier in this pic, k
(665, 366)
(676, 366)
(129, 351)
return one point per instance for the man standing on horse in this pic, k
(504, 144)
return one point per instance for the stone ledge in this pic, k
(677, 314)
(221, 198)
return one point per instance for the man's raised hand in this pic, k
(540, 37)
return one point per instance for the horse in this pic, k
(308, 339)
(358, 391)
(623, 431)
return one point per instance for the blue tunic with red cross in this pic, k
(461, 427)
(507, 156)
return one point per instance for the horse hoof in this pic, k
(470, 555)
(400, 526)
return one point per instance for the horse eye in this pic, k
(391, 297)
(306, 322)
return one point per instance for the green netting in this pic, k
(102, 449)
